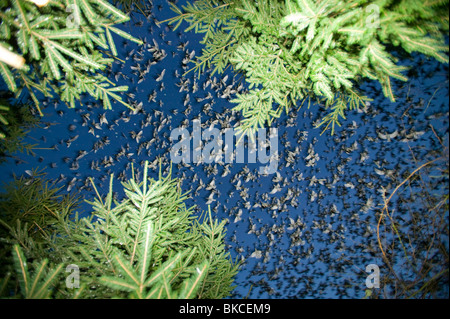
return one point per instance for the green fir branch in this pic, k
(292, 49)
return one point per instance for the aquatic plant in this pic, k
(148, 245)
(294, 51)
(413, 230)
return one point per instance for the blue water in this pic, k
(331, 254)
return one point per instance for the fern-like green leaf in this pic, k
(191, 286)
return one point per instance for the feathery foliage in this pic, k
(149, 245)
(16, 119)
(61, 47)
(33, 285)
(297, 50)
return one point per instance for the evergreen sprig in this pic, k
(294, 50)
(60, 44)
(148, 245)
(36, 285)
(16, 120)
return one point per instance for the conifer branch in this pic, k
(303, 48)
(146, 246)
(58, 48)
